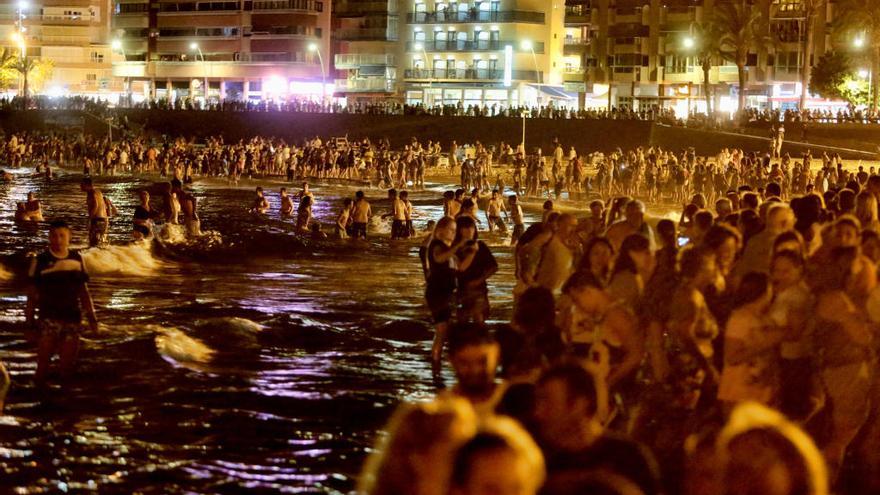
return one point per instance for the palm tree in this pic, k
(861, 20)
(810, 10)
(706, 50)
(740, 28)
(24, 66)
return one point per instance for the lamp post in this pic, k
(195, 47)
(313, 47)
(421, 47)
(116, 46)
(22, 5)
(524, 134)
(859, 43)
(528, 45)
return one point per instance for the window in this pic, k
(676, 64)
(91, 77)
(788, 62)
(97, 58)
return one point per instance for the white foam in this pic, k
(179, 347)
(239, 324)
(133, 259)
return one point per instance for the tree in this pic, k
(860, 19)
(707, 49)
(829, 75)
(24, 66)
(34, 72)
(740, 28)
(811, 9)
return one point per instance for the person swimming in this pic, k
(143, 218)
(286, 203)
(260, 204)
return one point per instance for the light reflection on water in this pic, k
(290, 406)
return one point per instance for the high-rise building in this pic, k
(482, 52)
(365, 34)
(71, 34)
(242, 49)
(641, 53)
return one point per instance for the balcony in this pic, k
(356, 8)
(468, 74)
(577, 14)
(467, 45)
(295, 6)
(371, 85)
(282, 33)
(215, 70)
(365, 34)
(355, 60)
(453, 17)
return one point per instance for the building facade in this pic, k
(642, 53)
(72, 34)
(366, 35)
(234, 49)
(489, 53)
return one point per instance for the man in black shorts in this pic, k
(56, 299)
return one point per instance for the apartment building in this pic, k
(482, 52)
(219, 49)
(641, 53)
(365, 42)
(72, 34)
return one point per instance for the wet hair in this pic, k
(548, 205)
(624, 261)
(579, 383)
(512, 198)
(796, 258)
(846, 201)
(283, 189)
(752, 287)
(463, 335)
(582, 280)
(58, 224)
(259, 189)
(789, 236)
(498, 435)
(464, 222)
(666, 231)
(403, 194)
(535, 308)
(444, 222)
(176, 184)
(347, 202)
(704, 219)
(773, 189)
(749, 201)
(690, 261)
(359, 194)
(718, 234)
(86, 181)
(449, 195)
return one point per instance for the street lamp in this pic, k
(689, 42)
(524, 134)
(859, 42)
(116, 46)
(421, 47)
(313, 47)
(527, 45)
(195, 47)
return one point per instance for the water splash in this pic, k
(134, 259)
(5, 274)
(183, 350)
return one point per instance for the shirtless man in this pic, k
(30, 210)
(360, 216)
(397, 214)
(633, 223)
(261, 204)
(189, 207)
(99, 210)
(286, 203)
(58, 296)
(494, 210)
(516, 215)
(343, 221)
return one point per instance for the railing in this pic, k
(355, 60)
(282, 32)
(310, 6)
(577, 41)
(371, 84)
(365, 34)
(354, 8)
(478, 74)
(466, 45)
(454, 16)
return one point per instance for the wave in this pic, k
(181, 349)
(5, 274)
(134, 259)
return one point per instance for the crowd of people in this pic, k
(731, 352)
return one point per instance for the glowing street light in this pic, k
(689, 42)
(195, 47)
(864, 73)
(313, 47)
(527, 45)
(859, 42)
(116, 45)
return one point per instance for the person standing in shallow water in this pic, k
(58, 295)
